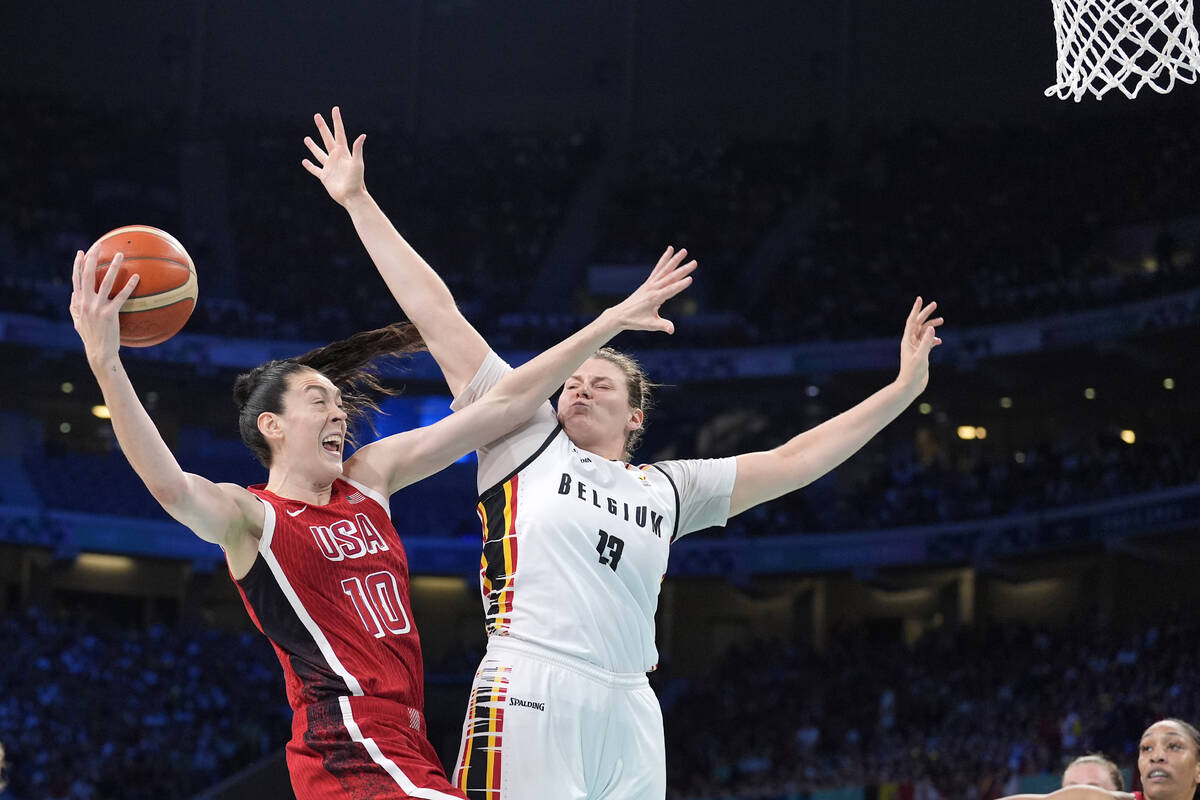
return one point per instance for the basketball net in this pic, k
(1123, 44)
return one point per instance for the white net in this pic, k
(1123, 44)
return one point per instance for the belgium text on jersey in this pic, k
(613, 506)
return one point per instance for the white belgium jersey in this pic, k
(576, 545)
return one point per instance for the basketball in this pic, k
(166, 295)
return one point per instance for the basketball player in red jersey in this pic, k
(1168, 761)
(313, 552)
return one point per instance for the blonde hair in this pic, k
(1113, 770)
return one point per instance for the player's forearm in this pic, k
(422, 295)
(521, 392)
(137, 434)
(820, 449)
(801, 460)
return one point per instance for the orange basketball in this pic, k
(166, 294)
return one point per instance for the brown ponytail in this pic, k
(349, 364)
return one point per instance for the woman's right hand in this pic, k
(341, 167)
(94, 312)
(639, 311)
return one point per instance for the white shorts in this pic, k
(545, 726)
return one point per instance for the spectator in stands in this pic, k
(1094, 770)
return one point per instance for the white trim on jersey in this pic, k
(389, 766)
(371, 493)
(314, 630)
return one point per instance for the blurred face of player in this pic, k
(594, 408)
(1089, 774)
(307, 439)
(1167, 761)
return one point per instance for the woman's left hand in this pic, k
(920, 336)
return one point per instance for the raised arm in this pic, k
(801, 460)
(423, 296)
(404, 458)
(223, 513)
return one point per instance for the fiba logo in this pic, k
(344, 539)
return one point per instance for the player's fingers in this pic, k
(110, 275)
(77, 272)
(87, 276)
(127, 289)
(311, 167)
(927, 340)
(662, 261)
(936, 321)
(357, 150)
(339, 130)
(323, 129)
(677, 274)
(912, 313)
(926, 311)
(673, 288)
(675, 260)
(320, 155)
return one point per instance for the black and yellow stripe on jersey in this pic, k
(497, 566)
(497, 512)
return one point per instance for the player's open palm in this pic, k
(93, 310)
(339, 166)
(670, 276)
(920, 336)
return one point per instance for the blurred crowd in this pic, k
(818, 237)
(959, 715)
(92, 710)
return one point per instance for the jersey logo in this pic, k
(298, 512)
(355, 497)
(344, 539)
(538, 704)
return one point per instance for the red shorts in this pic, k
(364, 748)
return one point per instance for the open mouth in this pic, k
(1158, 773)
(332, 444)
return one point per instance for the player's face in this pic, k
(594, 408)
(312, 425)
(1089, 774)
(1167, 762)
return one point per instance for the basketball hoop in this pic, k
(1123, 44)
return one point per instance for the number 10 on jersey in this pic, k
(377, 601)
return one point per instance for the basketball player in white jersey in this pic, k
(576, 538)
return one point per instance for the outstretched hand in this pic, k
(670, 276)
(920, 336)
(341, 165)
(94, 308)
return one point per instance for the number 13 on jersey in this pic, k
(609, 547)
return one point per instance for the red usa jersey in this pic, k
(330, 590)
